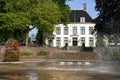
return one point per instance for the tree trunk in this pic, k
(42, 39)
(27, 38)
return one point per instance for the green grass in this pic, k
(43, 53)
(26, 53)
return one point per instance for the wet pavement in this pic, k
(60, 70)
(55, 75)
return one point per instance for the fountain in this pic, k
(110, 54)
(59, 70)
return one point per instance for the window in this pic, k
(65, 40)
(90, 30)
(82, 40)
(74, 30)
(82, 30)
(82, 19)
(58, 40)
(58, 30)
(65, 30)
(91, 41)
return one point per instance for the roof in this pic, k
(76, 14)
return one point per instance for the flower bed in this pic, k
(12, 50)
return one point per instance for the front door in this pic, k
(74, 41)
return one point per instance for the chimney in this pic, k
(84, 7)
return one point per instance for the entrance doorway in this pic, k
(74, 41)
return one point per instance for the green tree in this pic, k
(65, 10)
(14, 16)
(59, 12)
(108, 20)
(19, 15)
(47, 14)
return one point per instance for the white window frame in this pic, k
(65, 40)
(58, 41)
(65, 30)
(58, 30)
(74, 30)
(91, 41)
(82, 19)
(90, 30)
(82, 30)
(82, 40)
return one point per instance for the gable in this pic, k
(76, 14)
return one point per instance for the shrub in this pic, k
(11, 51)
(117, 52)
(26, 53)
(87, 49)
(43, 53)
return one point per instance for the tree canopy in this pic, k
(108, 20)
(19, 15)
(60, 15)
(65, 10)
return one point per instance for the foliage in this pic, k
(14, 18)
(117, 52)
(99, 42)
(65, 10)
(59, 13)
(43, 53)
(45, 23)
(108, 20)
(45, 15)
(19, 15)
(17, 34)
(16, 15)
(39, 38)
(26, 53)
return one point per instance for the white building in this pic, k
(77, 32)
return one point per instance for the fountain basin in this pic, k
(59, 70)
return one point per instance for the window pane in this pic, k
(82, 30)
(82, 40)
(65, 30)
(65, 40)
(90, 30)
(82, 19)
(58, 30)
(58, 40)
(91, 41)
(74, 30)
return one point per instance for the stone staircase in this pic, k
(74, 55)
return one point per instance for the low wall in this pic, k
(74, 48)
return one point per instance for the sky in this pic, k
(78, 5)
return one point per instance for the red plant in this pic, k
(12, 50)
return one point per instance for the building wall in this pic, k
(71, 35)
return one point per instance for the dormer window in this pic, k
(82, 19)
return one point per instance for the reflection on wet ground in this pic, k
(56, 75)
(60, 70)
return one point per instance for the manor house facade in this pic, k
(77, 32)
